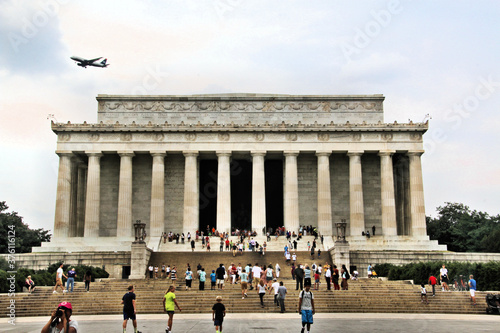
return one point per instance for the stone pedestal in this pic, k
(340, 254)
(139, 258)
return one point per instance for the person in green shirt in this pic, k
(169, 304)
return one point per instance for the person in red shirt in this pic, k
(433, 282)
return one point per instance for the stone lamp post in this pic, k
(341, 251)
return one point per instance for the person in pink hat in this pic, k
(60, 321)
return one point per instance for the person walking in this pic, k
(307, 276)
(423, 294)
(202, 276)
(433, 282)
(261, 289)
(345, 278)
(173, 275)
(220, 272)
(87, 278)
(244, 284)
(299, 278)
(274, 289)
(472, 289)
(443, 272)
(169, 303)
(277, 270)
(256, 270)
(281, 296)
(218, 314)
(189, 278)
(129, 309)
(59, 276)
(335, 278)
(306, 308)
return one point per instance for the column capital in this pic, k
(126, 153)
(223, 153)
(160, 153)
(323, 153)
(64, 153)
(386, 152)
(187, 153)
(355, 152)
(415, 152)
(258, 153)
(96, 153)
(291, 152)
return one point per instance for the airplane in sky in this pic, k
(90, 62)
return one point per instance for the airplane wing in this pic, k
(92, 60)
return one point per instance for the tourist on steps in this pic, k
(169, 303)
(218, 314)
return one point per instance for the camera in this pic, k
(60, 312)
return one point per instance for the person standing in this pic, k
(472, 289)
(30, 284)
(202, 276)
(335, 278)
(87, 277)
(169, 303)
(244, 284)
(129, 309)
(423, 294)
(433, 282)
(443, 272)
(151, 269)
(189, 278)
(281, 296)
(218, 314)
(261, 289)
(220, 272)
(345, 278)
(213, 279)
(59, 276)
(173, 275)
(192, 245)
(71, 279)
(299, 278)
(328, 277)
(307, 276)
(277, 270)
(369, 271)
(306, 308)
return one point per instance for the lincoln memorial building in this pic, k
(239, 161)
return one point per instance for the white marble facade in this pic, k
(141, 161)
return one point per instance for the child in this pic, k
(212, 280)
(218, 314)
(423, 294)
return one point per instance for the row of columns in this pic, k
(191, 193)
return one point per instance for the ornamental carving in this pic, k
(126, 136)
(416, 136)
(259, 136)
(387, 136)
(356, 136)
(323, 136)
(158, 137)
(291, 136)
(190, 136)
(94, 137)
(223, 136)
(64, 137)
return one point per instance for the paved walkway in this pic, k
(282, 323)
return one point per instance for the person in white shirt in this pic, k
(277, 269)
(274, 287)
(256, 270)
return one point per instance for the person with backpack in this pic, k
(306, 308)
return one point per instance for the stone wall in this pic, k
(307, 170)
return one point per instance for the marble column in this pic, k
(124, 220)
(291, 191)
(81, 194)
(63, 196)
(325, 226)
(389, 224)
(74, 197)
(93, 199)
(258, 192)
(224, 192)
(357, 215)
(191, 193)
(157, 216)
(417, 205)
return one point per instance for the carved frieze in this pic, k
(190, 136)
(223, 136)
(323, 136)
(125, 136)
(387, 136)
(64, 137)
(94, 137)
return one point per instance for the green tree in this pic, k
(25, 238)
(463, 229)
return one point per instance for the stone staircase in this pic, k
(364, 295)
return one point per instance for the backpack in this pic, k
(347, 276)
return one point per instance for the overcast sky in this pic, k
(427, 57)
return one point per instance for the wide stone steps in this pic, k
(364, 296)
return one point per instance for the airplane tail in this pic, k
(104, 61)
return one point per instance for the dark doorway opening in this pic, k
(274, 193)
(125, 272)
(208, 194)
(241, 195)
